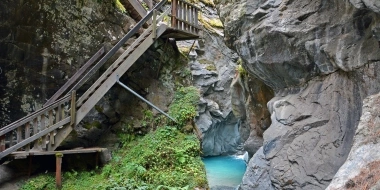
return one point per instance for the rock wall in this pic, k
(212, 67)
(321, 58)
(42, 43)
(361, 170)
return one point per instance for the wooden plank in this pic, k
(75, 76)
(180, 15)
(51, 135)
(183, 21)
(119, 44)
(190, 16)
(34, 137)
(10, 136)
(154, 24)
(117, 63)
(33, 115)
(58, 164)
(27, 135)
(23, 154)
(189, 4)
(174, 14)
(196, 22)
(19, 134)
(138, 7)
(110, 81)
(43, 126)
(73, 107)
(2, 143)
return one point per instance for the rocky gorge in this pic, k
(294, 83)
(321, 59)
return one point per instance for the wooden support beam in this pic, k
(27, 135)
(174, 13)
(139, 8)
(2, 143)
(73, 107)
(58, 164)
(33, 138)
(154, 24)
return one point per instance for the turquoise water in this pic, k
(224, 170)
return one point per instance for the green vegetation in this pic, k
(120, 6)
(209, 3)
(216, 23)
(183, 108)
(184, 50)
(240, 69)
(165, 159)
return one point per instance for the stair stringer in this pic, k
(110, 80)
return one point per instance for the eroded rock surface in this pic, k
(364, 152)
(322, 59)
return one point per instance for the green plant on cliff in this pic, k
(164, 159)
(120, 6)
(183, 108)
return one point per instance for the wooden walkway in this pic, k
(42, 131)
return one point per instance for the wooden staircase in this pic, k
(45, 129)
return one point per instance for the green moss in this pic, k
(184, 50)
(98, 108)
(216, 23)
(183, 108)
(120, 6)
(205, 62)
(240, 69)
(211, 67)
(93, 124)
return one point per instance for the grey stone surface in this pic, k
(365, 149)
(258, 164)
(322, 59)
(212, 67)
(285, 45)
(367, 4)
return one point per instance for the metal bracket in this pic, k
(143, 99)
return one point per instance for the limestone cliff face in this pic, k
(321, 58)
(362, 166)
(42, 43)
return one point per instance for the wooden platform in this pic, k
(179, 34)
(23, 154)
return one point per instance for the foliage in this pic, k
(240, 69)
(164, 159)
(40, 182)
(120, 6)
(183, 107)
(216, 23)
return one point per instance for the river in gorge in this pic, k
(224, 172)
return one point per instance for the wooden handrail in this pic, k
(119, 44)
(34, 137)
(33, 115)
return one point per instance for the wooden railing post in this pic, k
(154, 24)
(174, 13)
(58, 177)
(73, 107)
(2, 143)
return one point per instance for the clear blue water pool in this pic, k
(224, 170)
